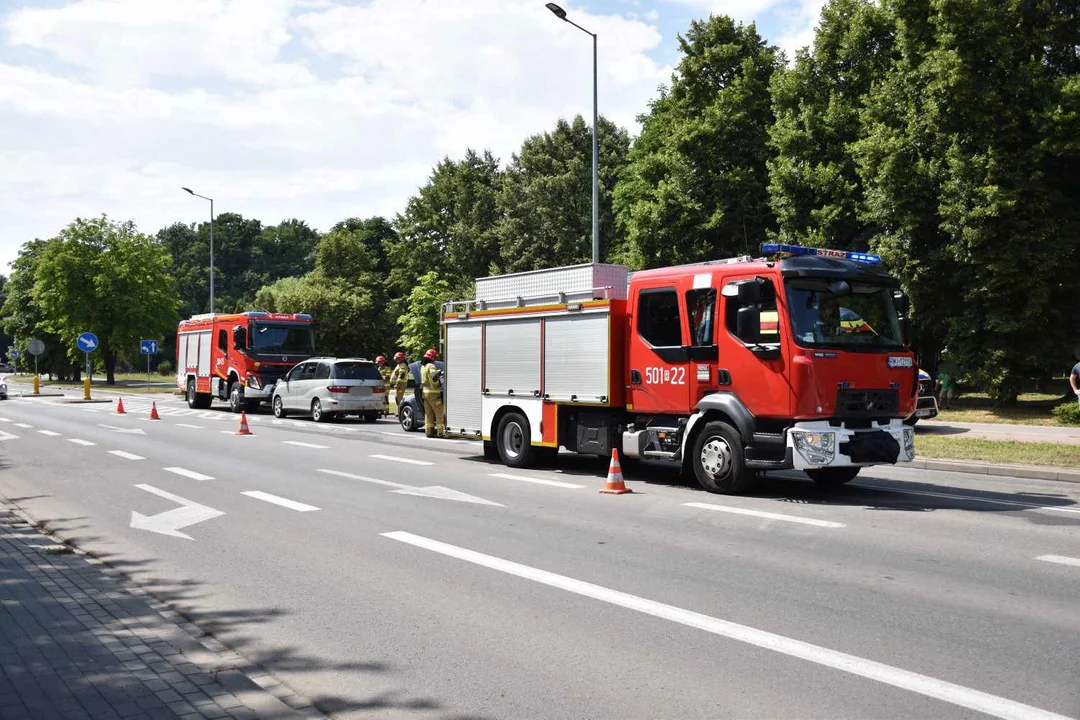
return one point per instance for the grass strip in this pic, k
(1008, 452)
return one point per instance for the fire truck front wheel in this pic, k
(717, 460)
(512, 439)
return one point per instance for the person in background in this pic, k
(384, 371)
(1074, 380)
(431, 382)
(399, 379)
(946, 387)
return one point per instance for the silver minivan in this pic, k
(328, 387)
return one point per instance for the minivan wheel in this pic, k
(279, 407)
(512, 439)
(407, 418)
(317, 412)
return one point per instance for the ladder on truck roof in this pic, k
(567, 297)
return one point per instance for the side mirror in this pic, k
(749, 292)
(239, 335)
(748, 325)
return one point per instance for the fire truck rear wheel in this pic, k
(833, 476)
(512, 439)
(717, 459)
(197, 400)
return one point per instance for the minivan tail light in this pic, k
(378, 389)
(338, 388)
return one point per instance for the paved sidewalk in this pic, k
(79, 642)
(1003, 431)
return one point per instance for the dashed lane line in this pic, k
(297, 443)
(184, 472)
(23, 425)
(49, 433)
(1060, 560)
(283, 502)
(193, 427)
(537, 481)
(126, 455)
(79, 441)
(4, 419)
(897, 677)
(765, 515)
(407, 461)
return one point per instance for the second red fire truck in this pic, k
(725, 368)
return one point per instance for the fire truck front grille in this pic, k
(270, 375)
(867, 403)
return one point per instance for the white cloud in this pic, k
(792, 22)
(318, 109)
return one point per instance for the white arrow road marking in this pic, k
(297, 443)
(8, 436)
(126, 431)
(284, 502)
(126, 455)
(394, 458)
(435, 491)
(538, 481)
(187, 473)
(897, 677)
(50, 433)
(1060, 559)
(170, 521)
(77, 441)
(766, 515)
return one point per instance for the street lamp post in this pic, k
(561, 14)
(192, 192)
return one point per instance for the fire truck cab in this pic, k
(238, 358)
(725, 368)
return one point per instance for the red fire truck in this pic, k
(239, 357)
(725, 368)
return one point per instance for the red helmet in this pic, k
(431, 354)
(381, 360)
(399, 357)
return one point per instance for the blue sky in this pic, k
(315, 109)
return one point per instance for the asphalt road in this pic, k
(388, 575)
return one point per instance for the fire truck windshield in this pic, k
(865, 318)
(271, 339)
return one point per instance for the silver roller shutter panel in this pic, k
(512, 359)
(463, 388)
(204, 353)
(576, 357)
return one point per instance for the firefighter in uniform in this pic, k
(384, 371)
(431, 382)
(399, 379)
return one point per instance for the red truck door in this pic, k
(659, 352)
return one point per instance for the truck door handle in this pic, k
(635, 377)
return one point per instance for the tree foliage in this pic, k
(23, 318)
(420, 321)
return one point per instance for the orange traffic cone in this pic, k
(243, 425)
(120, 406)
(615, 484)
(153, 411)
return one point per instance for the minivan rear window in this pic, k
(356, 371)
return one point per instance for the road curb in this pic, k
(1031, 472)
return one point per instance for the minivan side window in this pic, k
(659, 322)
(304, 371)
(322, 372)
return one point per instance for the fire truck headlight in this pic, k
(253, 382)
(818, 448)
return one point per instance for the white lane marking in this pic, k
(538, 481)
(411, 436)
(362, 478)
(77, 441)
(126, 455)
(8, 436)
(170, 521)
(50, 433)
(766, 515)
(4, 419)
(193, 427)
(394, 458)
(23, 425)
(187, 473)
(297, 443)
(897, 677)
(1060, 559)
(951, 496)
(284, 502)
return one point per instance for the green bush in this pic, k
(165, 367)
(1068, 413)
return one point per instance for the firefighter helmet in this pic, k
(381, 360)
(399, 357)
(431, 354)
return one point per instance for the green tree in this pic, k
(697, 183)
(546, 197)
(376, 232)
(107, 278)
(420, 321)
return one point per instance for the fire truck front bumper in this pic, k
(820, 445)
(256, 391)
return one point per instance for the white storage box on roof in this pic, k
(551, 282)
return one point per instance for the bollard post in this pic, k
(86, 388)
(37, 386)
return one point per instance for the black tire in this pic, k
(407, 418)
(512, 441)
(318, 414)
(371, 417)
(833, 476)
(236, 398)
(490, 451)
(717, 460)
(279, 407)
(197, 400)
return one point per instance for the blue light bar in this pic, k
(820, 252)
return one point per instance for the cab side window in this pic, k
(322, 372)
(223, 340)
(770, 318)
(658, 319)
(701, 310)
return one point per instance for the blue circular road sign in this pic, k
(88, 342)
